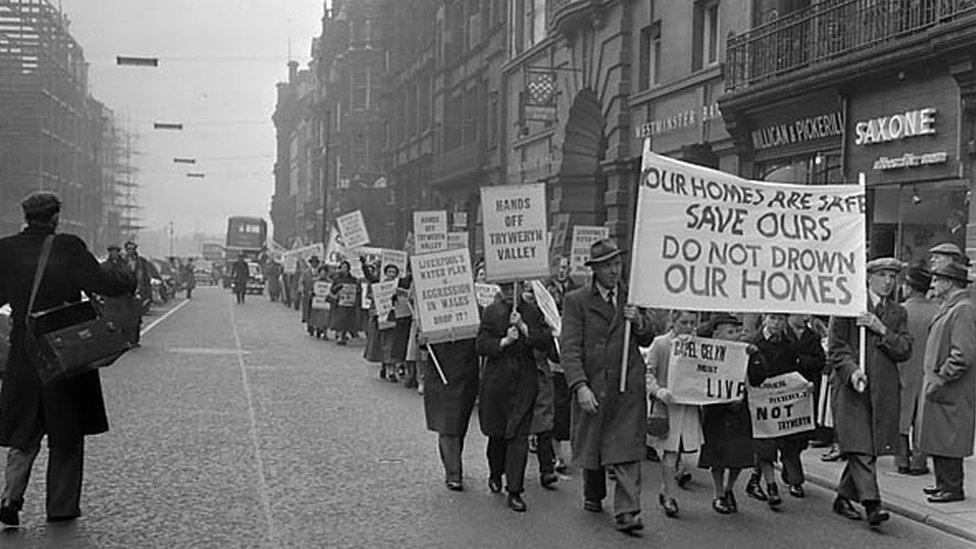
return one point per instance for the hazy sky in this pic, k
(219, 62)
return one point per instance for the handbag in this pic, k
(70, 339)
(658, 424)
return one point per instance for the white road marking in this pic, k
(164, 317)
(205, 351)
(252, 416)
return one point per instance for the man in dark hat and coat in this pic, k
(866, 402)
(64, 410)
(608, 427)
(920, 309)
(947, 418)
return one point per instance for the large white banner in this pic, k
(711, 241)
(429, 231)
(583, 238)
(705, 371)
(446, 304)
(781, 406)
(516, 241)
(352, 227)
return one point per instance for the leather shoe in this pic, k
(454, 485)
(629, 522)
(721, 506)
(754, 490)
(831, 455)
(62, 518)
(917, 472)
(682, 479)
(774, 499)
(548, 479)
(946, 496)
(844, 508)
(669, 505)
(931, 490)
(495, 485)
(515, 503)
(877, 515)
(796, 490)
(730, 502)
(9, 513)
(592, 506)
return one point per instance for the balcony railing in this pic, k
(829, 30)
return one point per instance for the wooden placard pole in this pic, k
(623, 363)
(437, 364)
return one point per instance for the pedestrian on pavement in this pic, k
(683, 434)
(189, 277)
(727, 428)
(781, 352)
(144, 271)
(948, 411)
(544, 410)
(121, 309)
(507, 338)
(239, 274)
(920, 309)
(400, 338)
(273, 276)
(309, 275)
(345, 309)
(608, 427)
(64, 410)
(447, 408)
(866, 402)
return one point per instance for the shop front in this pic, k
(903, 138)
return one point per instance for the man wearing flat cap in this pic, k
(608, 427)
(947, 418)
(945, 253)
(866, 402)
(64, 410)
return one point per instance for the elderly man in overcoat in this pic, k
(64, 410)
(947, 418)
(866, 402)
(608, 427)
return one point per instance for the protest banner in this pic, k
(781, 406)
(394, 257)
(320, 291)
(457, 240)
(485, 293)
(347, 294)
(547, 304)
(292, 258)
(429, 231)
(352, 227)
(446, 306)
(516, 246)
(705, 371)
(583, 238)
(708, 240)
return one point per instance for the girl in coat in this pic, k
(684, 426)
(508, 337)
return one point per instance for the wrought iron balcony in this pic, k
(830, 30)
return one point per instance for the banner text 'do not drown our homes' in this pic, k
(446, 304)
(516, 236)
(708, 240)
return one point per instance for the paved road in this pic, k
(231, 427)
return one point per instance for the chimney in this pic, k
(292, 71)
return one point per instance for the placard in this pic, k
(710, 241)
(781, 406)
(560, 227)
(365, 301)
(347, 294)
(486, 293)
(705, 371)
(460, 220)
(457, 240)
(383, 296)
(429, 231)
(320, 291)
(446, 304)
(291, 258)
(394, 257)
(401, 305)
(516, 246)
(352, 227)
(583, 238)
(547, 304)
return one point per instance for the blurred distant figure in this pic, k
(189, 277)
(239, 275)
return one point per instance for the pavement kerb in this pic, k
(908, 509)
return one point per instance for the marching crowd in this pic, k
(911, 395)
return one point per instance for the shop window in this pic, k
(650, 56)
(905, 221)
(821, 168)
(705, 34)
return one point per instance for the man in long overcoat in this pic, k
(144, 271)
(239, 273)
(64, 410)
(866, 403)
(447, 408)
(608, 427)
(948, 412)
(920, 309)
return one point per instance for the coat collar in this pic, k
(37, 229)
(601, 308)
(952, 301)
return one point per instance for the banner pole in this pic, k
(623, 363)
(437, 364)
(863, 333)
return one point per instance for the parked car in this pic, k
(255, 279)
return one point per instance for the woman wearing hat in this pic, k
(948, 412)
(683, 433)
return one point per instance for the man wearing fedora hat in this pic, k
(947, 418)
(920, 310)
(866, 402)
(608, 427)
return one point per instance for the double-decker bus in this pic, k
(245, 235)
